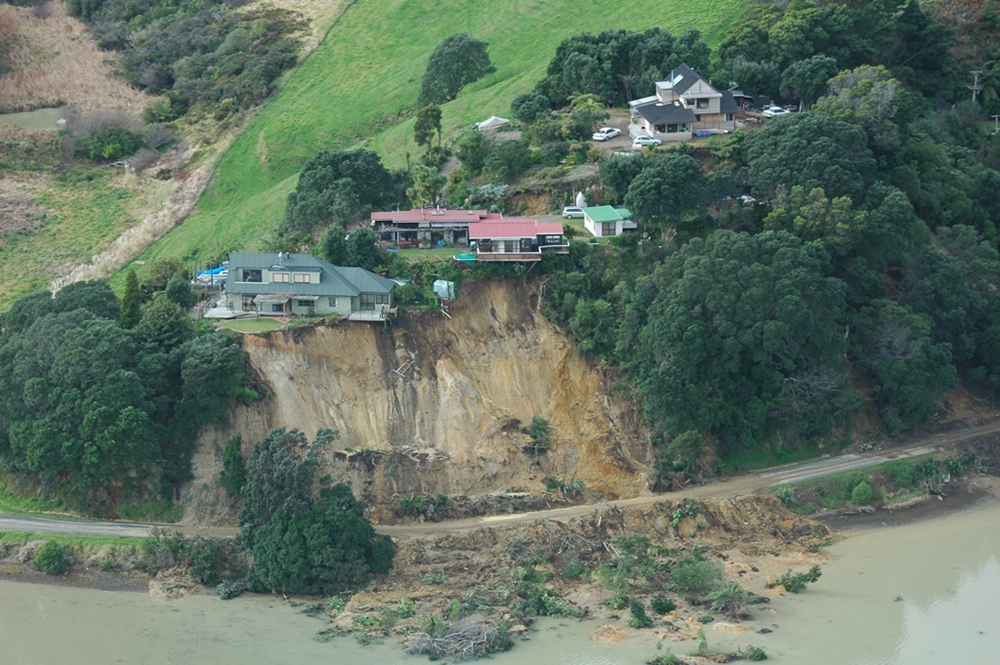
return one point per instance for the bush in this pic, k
(862, 494)
(693, 574)
(662, 605)
(900, 473)
(574, 569)
(234, 471)
(796, 582)
(666, 659)
(639, 617)
(753, 653)
(50, 559)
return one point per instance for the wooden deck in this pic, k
(521, 256)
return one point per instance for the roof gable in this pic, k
(660, 112)
(681, 78)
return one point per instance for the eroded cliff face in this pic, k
(441, 399)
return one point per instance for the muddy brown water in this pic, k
(908, 595)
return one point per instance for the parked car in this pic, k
(774, 112)
(605, 133)
(572, 212)
(642, 141)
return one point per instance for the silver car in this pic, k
(642, 141)
(605, 133)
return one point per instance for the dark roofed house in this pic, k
(410, 228)
(284, 284)
(708, 109)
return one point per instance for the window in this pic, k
(332, 302)
(729, 117)
(607, 228)
(279, 277)
(525, 244)
(305, 303)
(301, 278)
(370, 300)
(248, 304)
(659, 129)
(671, 129)
(277, 309)
(252, 275)
(702, 104)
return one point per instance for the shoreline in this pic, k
(966, 496)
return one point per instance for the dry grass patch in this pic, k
(18, 212)
(56, 61)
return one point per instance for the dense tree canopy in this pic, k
(101, 405)
(455, 63)
(619, 65)
(303, 543)
(337, 186)
(733, 322)
(811, 150)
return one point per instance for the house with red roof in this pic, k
(516, 239)
(411, 228)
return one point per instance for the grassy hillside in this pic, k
(82, 218)
(362, 82)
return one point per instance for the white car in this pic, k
(572, 212)
(605, 133)
(774, 112)
(642, 141)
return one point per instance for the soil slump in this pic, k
(430, 404)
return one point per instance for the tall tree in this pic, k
(337, 185)
(456, 62)
(807, 79)
(131, 300)
(667, 191)
(427, 124)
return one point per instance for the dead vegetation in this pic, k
(18, 211)
(54, 61)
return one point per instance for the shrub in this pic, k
(50, 559)
(693, 574)
(900, 473)
(574, 569)
(753, 653)
(234, 471)
(796, 582)
(662, 605)
(787, 494)
(639, 617)
(862, 494)
(666, 659)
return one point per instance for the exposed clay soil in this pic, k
(449, 421)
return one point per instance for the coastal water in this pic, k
(911, 595)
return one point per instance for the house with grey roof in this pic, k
(684, 104)
(285, 284)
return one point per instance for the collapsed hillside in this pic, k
(430, 404)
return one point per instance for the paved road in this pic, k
(733, 487)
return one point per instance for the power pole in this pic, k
(975, 84)
(996, 123)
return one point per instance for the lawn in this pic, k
(251, 325)
(360, 85)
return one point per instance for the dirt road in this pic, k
(733, 487)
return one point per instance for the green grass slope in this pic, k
(362, 81)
